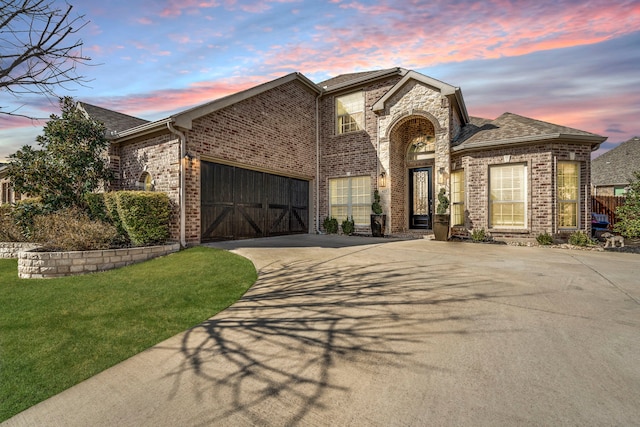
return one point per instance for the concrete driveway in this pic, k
(363, 332)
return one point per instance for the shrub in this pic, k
(544, 239)
(376, 207)
(580, 238)
(348, 226)
(144, 215)
(478, 235)
(330, 225)
(71, 229)
(96, 207)
(628, 223)
(443, 202)
(111, 205)
(104, 207)
(24, 213)
(9, 230)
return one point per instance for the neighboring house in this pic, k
(7, 195)
(612, 171)
(280, 157)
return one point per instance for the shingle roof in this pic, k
(342, 78)
(512, 128)
(113, 120)
(345, 79)
(616, 166)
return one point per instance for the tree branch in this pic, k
(37, 52)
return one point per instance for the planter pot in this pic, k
(441, 227)
(378, 223)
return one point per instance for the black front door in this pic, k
(420, 197)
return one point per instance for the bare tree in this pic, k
(38, 49)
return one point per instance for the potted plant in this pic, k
(441, 219)
(348, 226)
(378, 220)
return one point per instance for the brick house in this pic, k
(280, 157)
(7, 195)
(613, 171)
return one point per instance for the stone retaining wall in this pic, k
(11, 249)
(41, 265)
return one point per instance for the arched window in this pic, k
(145, 182)
(421, 147)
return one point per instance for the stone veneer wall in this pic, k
(11, 249)
(414, 101)
(42, 265)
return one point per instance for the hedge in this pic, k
(144, 215)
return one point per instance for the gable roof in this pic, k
(344, 81)
(616, 166)
(184, 119)
(452, 92)
(113, 120)
(513, 129)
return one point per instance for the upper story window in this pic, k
(350, 112)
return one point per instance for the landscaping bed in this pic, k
(43, 265)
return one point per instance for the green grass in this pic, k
(55, 333)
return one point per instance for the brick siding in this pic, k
(274, 131)
(541, 199)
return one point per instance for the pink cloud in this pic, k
(177, 7)
(144, 21)
(369, 9)
(430, 33)
(172, 100)
(16, 122)
(593, 114)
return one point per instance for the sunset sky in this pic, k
(574, 63)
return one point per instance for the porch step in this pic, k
(412, 234)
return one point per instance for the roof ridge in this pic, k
(111, 110)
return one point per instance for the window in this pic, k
(6, 193)
(422, 147)
(568, 183)
(145, 182)
(350, 112)
(457, 197)
(350, 196)
(507, 200)
(620, 190)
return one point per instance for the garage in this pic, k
(238, 203)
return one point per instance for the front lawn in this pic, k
(54, 333)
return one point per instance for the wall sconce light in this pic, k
(188, 156)
(383, 179)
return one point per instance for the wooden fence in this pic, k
(607, 205)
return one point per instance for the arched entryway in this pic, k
(412, 143)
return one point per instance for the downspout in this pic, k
(318, 164)
(181, 190)
(554, 180)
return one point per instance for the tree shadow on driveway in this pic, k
(308, 330)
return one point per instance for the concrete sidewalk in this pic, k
(357, 331)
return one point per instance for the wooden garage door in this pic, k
(239, 203)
